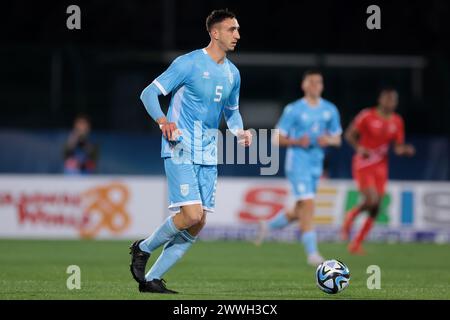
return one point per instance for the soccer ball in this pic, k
(332, 276)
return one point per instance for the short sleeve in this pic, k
(233, 99)
(360, 120)
(287, 120)
(334, 124)
(175, 75)
(400, 134)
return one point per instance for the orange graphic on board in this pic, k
(105, 209)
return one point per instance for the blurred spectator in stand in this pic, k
(80, 154)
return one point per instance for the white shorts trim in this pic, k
(176, 207)
(305, 197)
(160, 87)
(232, 108)
(209, 210)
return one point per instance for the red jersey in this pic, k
(376, 133)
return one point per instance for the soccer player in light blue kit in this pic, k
(306, 127)
(204, 85)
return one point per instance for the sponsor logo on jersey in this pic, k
(206, 75)
(326, 115)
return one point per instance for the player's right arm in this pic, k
(353, 133)
(170, 79)
(284, 126)
(150, 100)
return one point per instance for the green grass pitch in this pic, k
(36, 269)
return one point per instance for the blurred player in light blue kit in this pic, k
(306, 127)
(205, 85)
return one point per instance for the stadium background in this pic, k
(49, 74)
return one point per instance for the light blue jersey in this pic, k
(304, 166)
(202, 90)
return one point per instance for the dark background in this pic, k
(49, 73)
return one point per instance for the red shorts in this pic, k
(374, 176)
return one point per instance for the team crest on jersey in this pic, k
(392, 128)
(326, 115)
(206, 75)
(377, 124)
(184, 189)
(304, 116)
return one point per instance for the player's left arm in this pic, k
(333, 137)
(233, 116)
(400, 147)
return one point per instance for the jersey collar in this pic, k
(225, 61)
(303, 100)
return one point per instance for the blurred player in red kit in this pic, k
(371, 133)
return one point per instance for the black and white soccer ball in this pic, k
(332, 276)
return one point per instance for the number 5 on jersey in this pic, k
(218, 93)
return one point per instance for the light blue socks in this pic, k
(172, 252)
(309, 240)
(163, 234)
(279, 221)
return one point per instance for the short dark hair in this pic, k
(386, 89)
(217, 16)
(311, 72)
(82, 116)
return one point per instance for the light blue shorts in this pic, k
(190, 184)
(303, 187)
